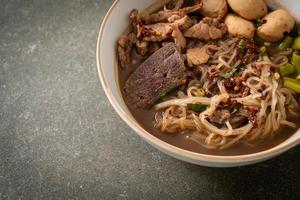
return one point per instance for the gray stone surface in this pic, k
(61, 139)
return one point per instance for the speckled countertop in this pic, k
(61, 139)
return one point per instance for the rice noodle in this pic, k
(280, 60)
(251, 100)
(266, 95)
(222, 132)
(183, 102)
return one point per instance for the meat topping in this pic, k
(125, 46)
(163, 70)
(163, 16)
(161, 31)
(175, 5)
(207, 29)
(183, 23)
(179, 39)
(136, 20)
(142, 47)
(220, 116)
(155, 32)
(200, 55)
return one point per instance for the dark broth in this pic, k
(146, 119)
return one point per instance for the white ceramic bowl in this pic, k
(114, 24)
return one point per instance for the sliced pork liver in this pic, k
(162, 71)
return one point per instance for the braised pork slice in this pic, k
(175, 5)
(163, 16)
(141, 47)
(183, 23)
(162, 71)
(207, 29)
(136, 20)
(239, 118)
(162, 31)
(125, 47)
(179, 39)
(220, 116)
(200, 55)
(155, 32)
(145, 48)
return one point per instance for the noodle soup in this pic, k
(193, 81)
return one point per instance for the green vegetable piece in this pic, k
(292, 84)
(287, 103)
(296, 44)
(241, 44)
(296, 62)
(263, 49)
(234, 110)
(287, 69)
(286, 43)
(226, 75)
(229, 74)
(291, 79)
(196, 107)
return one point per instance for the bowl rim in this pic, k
(172, 150)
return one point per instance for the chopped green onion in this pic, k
(296, 44)
(234, 110)
(237, 64)
(196, 107)
(286, 43)
(287, 69)
(287, 103)
(226, 75)
(200, 92)
(291, 79)
(241, 44)
(296, 61)
(229, 74)
(292, 84)
(263, 49)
